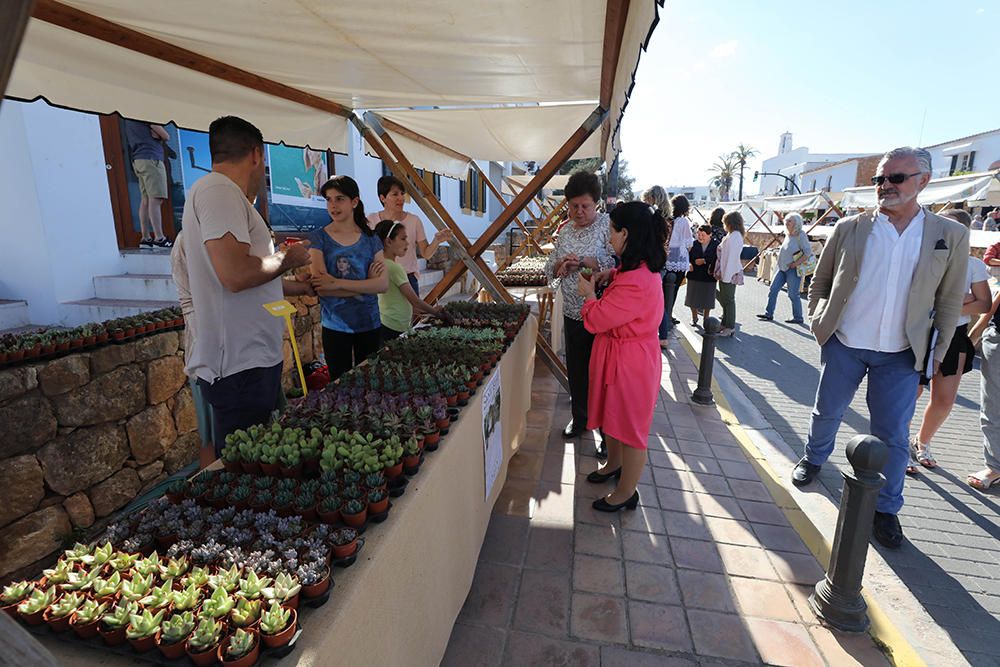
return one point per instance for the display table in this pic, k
(398, 603)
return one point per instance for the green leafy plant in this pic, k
(145, 624)
(99, 556)
(120, 616)
(177, 627)
(228, 580)
(37, 601)
(198, 576)
(246, 611)
(82, 580)
(186, 598)
(219, 605)
(90, 611)
(241, 643)
(16, 592)
(149, 565)
(77, 553)
(66, 605)
(58, 574)
(206, 635)
(275, 619)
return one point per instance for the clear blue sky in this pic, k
(842, 76)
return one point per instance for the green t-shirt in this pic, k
(396, 311)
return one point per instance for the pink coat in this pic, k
(625, 362)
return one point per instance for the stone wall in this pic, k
(83, 435)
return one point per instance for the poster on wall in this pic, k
(194, 156)
(492, 435)
(296, 175)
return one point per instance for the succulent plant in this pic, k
(120, 615)
(206, 634)
(123, 561)
(186, 598)
(228, 580)
(219, 605)
(284, 588)
(197, 576)
(66, 605)
(240, 644)
(149, 565)
(99, 556)
(246, 612)
(160, 596)
(374, 480)
(175, 567)
(144, 624)
(376, 495)
(275, 619)
(177, 627)
(16, 592)
(330, 504)
(343, 536)
(353, 506)
(262, 483)
(351, 492)
(90, 611)
(82, 580)
(36, 601)
(107, 586)
(251, 585)
(58, 574)
(77, 553)
(286, 484)
(137, 587)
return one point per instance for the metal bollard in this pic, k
(702, 395)
(837, 600)
(669, 285)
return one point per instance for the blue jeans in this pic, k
(794, 281)
(892, 398)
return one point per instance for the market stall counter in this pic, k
(397, 604)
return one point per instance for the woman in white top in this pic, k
(729, 270)
(958, 360)
(795, 251)
(678, 256)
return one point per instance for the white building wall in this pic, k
(792, 164)
(831, 179)
(987, 148)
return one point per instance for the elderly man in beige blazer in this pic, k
(884, 302)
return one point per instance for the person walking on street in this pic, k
(988, 328)
(795, 252)
(729, 270)
(884, 303)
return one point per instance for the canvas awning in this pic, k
(981, 189)
(136, 57)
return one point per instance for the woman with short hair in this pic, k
(700, 294)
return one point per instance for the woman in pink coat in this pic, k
(625, 363)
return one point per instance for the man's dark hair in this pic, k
(705, 228)
(646, 236)
(387, 183)
(583, 183)
(231, 138)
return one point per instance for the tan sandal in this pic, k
(922, 454)
(984, 479)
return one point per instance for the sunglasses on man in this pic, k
(895, 179)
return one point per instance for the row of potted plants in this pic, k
(525, 272)
(41, 343)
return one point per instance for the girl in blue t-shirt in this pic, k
(348, 273)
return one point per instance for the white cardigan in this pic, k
(729, 268)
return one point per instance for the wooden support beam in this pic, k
(503, 202)
(14, 15)
(79, 21)
(520, 201)
(615, 17)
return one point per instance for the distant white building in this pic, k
(976, 152)
(695, 194)
(836, 176)
(792, 163)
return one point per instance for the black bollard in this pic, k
(837, 600)
(702, 395)
(669, 290)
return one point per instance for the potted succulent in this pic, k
(241, 649)
(113, 624)
(85, 619)
(13, 595)
(173, 633)
(246, 613)
(137, 587)
(277, 625)
(305, 505)
(142, 629)
(149, 565)
(57, 575)
(186, 598)
(284, 591)
(283, 503)
(122, 561)
(175, 491)
(61, 611)
(378, 501)
(411, 455)
(33, 607)
(227, 580)
(344, 542)
(197, 576)
(106, 589)
(175, 567)
(160, 596)
(218, 606)
(290, 461)
(315, 578)
(201, 644)
(231, 457)
(251, 585)
(328, 510)
(81, 580)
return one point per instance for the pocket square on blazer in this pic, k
(941, 245)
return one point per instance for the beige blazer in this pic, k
(936, 294)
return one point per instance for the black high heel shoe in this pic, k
(598, 477)
(602, 505)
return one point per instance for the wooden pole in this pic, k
(615, 17)
(520, 201)
(496, 193)
(14, 15)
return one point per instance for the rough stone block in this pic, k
(185, 417)
(66, 374)
(154, 347)
(156, 481)
(149, 432)
(115, 395)
(164, 377)
(183, 451)
(306, 347)
(32, 538)
(17, 381)
(22, 487)
(150, 471)
(110, 357)
(115, 492)
(28, 423)
(79, 509)
(83, 458)
(50, 501)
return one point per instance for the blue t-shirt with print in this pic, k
(355, 314)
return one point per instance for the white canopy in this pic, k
(809, 201)
(359, 55)
(981, 189)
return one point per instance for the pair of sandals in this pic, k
(983, 480)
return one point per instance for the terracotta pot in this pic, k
(117, 335)
(379, 507)
(175, 498)
(411, 462)
(161, 325)
(90, 340)
(232, 466)
(203, 658)
(129, 332)
(170, 651)
(84, 630)
(245, 661)
(463, 395)
(292, 602)
(286, 511)
(355, 520)
(442, 423)
(345, 550)
(317, 589)
(309, 514)
(102, 337)
(33, 619)
(33, 352)
(251, 467)
(3, 357)
(16, 355)
(453, 399)
(310, 467)
(328, 518)
(164, 542)
(270, 469)
(57, 624)
(283, 637)
(294, 472)
(112, 637)
(392, 472)
(144, 644)
(431, 439)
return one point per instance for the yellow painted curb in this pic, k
(882, 630)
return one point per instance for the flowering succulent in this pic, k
(246, 612)
(66, 605)
(36, 601)
(218, 605)
(177, 627)
(120, 616)
(206, 634)
(16, 592)
(241, 643)
(144, 624)
(90, 611)
(137, 587)
(275, 619)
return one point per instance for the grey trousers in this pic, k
(989, 410)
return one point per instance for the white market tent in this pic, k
(982, 189)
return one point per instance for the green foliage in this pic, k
(145, 624)
(206, 634)
(275, 619)
(177, 627)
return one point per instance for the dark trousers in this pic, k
(389, 334)
(343, 351)
(578, 344)
(414, 283)
(679, 277)
(241, 400)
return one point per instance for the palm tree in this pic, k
(722, 176)
(740, 157)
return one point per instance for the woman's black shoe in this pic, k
(602, 505)
(572, 431)
(598, 477)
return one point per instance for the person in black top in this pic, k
(701, 279)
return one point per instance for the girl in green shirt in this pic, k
(396, 304)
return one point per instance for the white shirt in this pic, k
(978, 273)
(875, 315)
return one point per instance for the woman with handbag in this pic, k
(794, 261)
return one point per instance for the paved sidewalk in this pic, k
(952, 562)
(707, 571)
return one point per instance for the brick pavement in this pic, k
(952, 564)
(707, 571)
